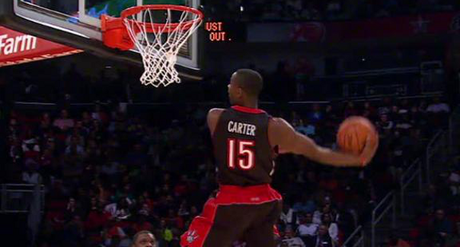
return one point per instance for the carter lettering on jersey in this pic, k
(242, 128)
(243, 153)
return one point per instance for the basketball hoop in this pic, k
(158, 43)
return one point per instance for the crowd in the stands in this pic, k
(320, 10)
(112, 171)
(437, 219)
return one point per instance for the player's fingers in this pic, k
(370, 148)
(372, 139)
(367, 152)
(376, 136)
(370, 142)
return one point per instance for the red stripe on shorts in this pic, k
(258, 194)
(227, 195)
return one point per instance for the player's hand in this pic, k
(372, 144)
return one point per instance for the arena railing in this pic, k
(380, 211)
(454, 131)
(355, 239)
(24, 198)
(444, 144)
(17, 198)
(409, 175)
(53, 107)
(433, 149)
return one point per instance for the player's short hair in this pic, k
(136, 236)
(250, 81)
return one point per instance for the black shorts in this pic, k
(237, 213)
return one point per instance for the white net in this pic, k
(159, 48)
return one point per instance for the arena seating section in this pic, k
(109, 174)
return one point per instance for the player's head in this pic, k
(245, 86)
(143, 239)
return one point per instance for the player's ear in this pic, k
(240, 92)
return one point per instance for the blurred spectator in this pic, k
(75, 147)
(144, 239)
(30, 145)
(288, 216)
(385, 124)
(64, 122)
(239, 244)
(72, 209)
(323, 239)
(31, 176)
(290, 240)
(305, 127)
(99, 115)
(316, 114)
(438, 107)
(166, 232)
(385, 107)
(307, 230)
(454, 181)
(332, 227)
(333, 9)
(305, 204)
(441, 227)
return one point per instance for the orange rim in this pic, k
(156, 27)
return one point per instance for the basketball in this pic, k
(353, 133)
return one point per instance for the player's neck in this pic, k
(250, 104)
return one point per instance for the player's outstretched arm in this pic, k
(283, 135)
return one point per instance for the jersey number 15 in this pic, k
(240, 152)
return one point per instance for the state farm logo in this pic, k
(16, 44)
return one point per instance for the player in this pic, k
(246, 141)
(144, 239)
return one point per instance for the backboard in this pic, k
(76, 23)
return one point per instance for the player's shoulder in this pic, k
(278, 127)
(215, 112)
(277, 122)
(213, 118)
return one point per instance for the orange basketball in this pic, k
(353, 133)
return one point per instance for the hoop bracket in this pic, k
(114, 33)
